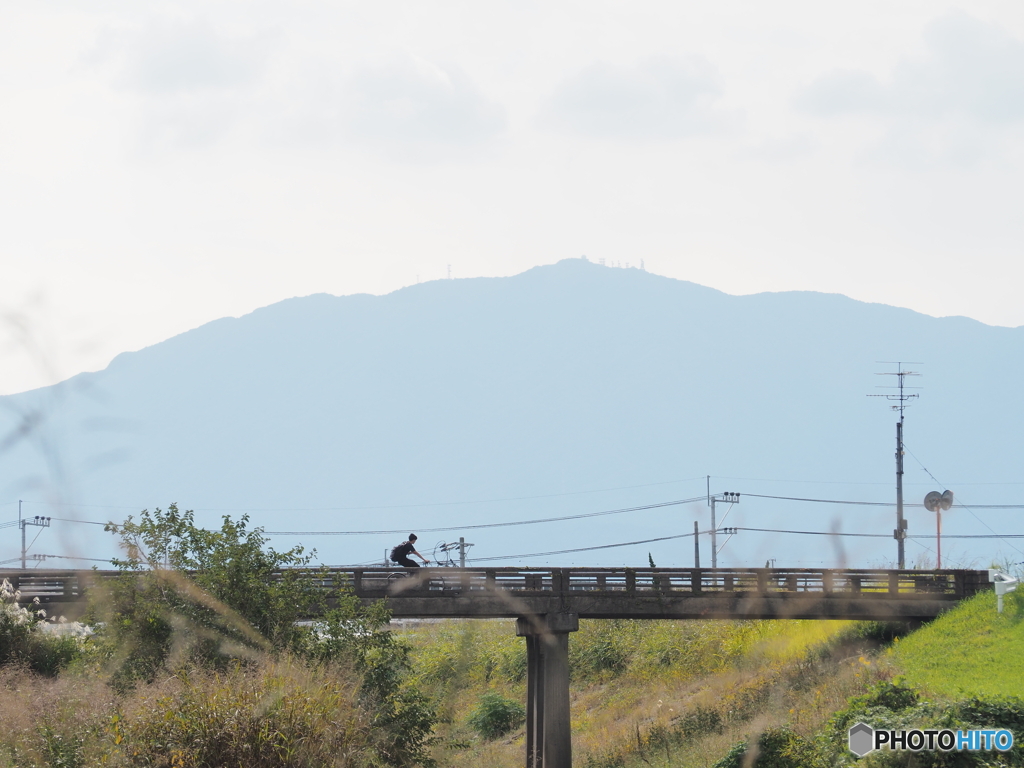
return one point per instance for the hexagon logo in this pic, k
(861, 739)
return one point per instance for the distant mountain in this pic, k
(461, 402)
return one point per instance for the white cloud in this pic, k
(405, 107)
(657, 99)
(189, 82)
(172, 58)
(410, 100)
(970, 69)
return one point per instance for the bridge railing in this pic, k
(71, 586)
(651, 581)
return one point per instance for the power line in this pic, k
(401, 506)
(523, 498)
(566, 517)
(74, 557)
(843, 482)
(760, 530)
(964, 506)
(822, 501)
(490, 525)
(874, 503)
(584, 549)
(885, 535)
(819, 533)
(74, 520)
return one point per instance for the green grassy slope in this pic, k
(647, 693)
(682, 694)
(970, 651)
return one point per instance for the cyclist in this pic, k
(400, 554)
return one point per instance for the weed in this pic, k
(496, 716)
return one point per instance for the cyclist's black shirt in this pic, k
(402, 551)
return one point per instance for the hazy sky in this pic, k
(167, 163)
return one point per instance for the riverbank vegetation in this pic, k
(195, 657)
(720, 694)
(212, 668)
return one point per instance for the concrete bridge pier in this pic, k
(548, 734)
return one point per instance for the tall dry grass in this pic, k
(273, 714)
(650, 693)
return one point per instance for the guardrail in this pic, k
(596, 591)
(676, 581)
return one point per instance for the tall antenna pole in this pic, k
(901, 524)
(900, 534)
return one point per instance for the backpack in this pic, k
(402, 550)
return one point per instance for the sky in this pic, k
(165, 164)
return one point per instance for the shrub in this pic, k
(891, 696)
(509, 662)
(495, 716)
(190, 601)
(267, 716)
(207, 595)
(23, 640)
(601, 647)
(775, 748)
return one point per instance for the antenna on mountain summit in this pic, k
(900, 398)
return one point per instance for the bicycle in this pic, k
(446, 549)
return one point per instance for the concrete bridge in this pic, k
(548, 603)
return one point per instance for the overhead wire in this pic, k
(491, 525)
(38, 533)
(406, 506)
(881, 535)
(75, 520)
(725, 530)
(585, 549)
(615, 512)
(961, 505)
(841, 482)
(871, 503)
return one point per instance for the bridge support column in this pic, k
(548, 735)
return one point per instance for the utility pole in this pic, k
(900, 534)
(900, 398)
(730, 498)
(714, 539)
(23, 523)
(463, 546)
(696, 546)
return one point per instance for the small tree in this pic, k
(204, 594)
(187, 594)
(403, 719)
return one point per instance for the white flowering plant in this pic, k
(22, 639)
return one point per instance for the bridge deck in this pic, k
(605, 593)
(666, 593)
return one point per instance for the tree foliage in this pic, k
(190, 592)
(190, 598)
